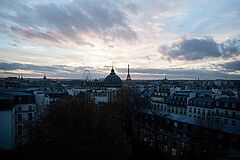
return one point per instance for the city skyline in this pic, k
(177, 39)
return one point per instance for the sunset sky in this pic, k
(182, 39)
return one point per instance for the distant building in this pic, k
(159, 98)
(112, 80)
(104, 96)
(42, 99)
(163, 100)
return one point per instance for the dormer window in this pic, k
(195, 103)
(190, 102)
(199, 104)
(204, 104)
(226, 104)
(209, 104)
(233, 105)
(19, 117)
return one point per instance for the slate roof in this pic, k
(188, 120)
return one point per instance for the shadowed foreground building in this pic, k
(17, 110)
(180, 137)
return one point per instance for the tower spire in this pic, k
(128, 75)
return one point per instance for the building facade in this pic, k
(17, 114)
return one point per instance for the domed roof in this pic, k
(113, 80)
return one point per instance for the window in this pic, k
(183, 145)
(30, 116)
(195, 110)
(195, 103)
(234, 123)
(190, 109)
(217, 119)
(167, 122)
(226, 104)
(199, 112)
(175, 124)
(203, 111)
(220, 136)
(174, 152)
(233, 105)
(209, 112)
(190, 103)
(30, 108)
(165, 148)
(199, 104)
(234, 114)
(145, 139)
(19, 117)
(217, 111)
(226, 113)
(225, 121)
(204, 104)
(30, 129)
(19, 130)
(19, 108)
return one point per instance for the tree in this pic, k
(73, 130)
(126, 104)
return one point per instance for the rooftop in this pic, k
(189, 120)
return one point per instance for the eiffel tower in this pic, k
(128, 75)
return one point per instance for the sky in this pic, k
(185, 39)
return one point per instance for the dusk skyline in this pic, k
(177, 39)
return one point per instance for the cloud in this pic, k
(72, 21)
(177, 73)
(65, 71)
(231, 66)
(189, 49)
(31, 70)
(13, 44)
(53, 68)
(32, 33)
